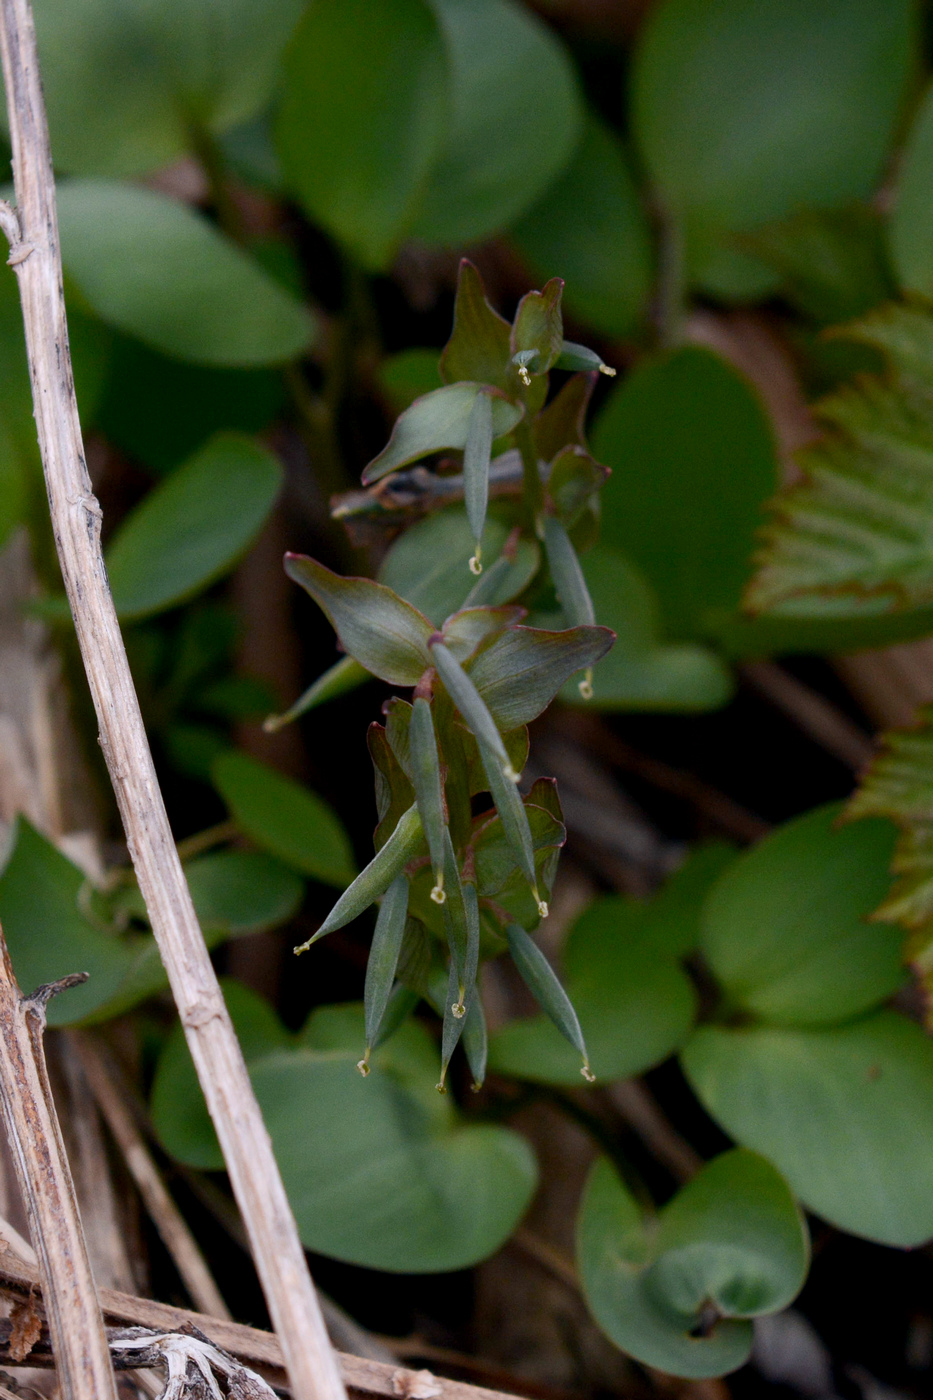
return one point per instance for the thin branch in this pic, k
(165, 1215)
(259, 1349)
(75, 1322)
(76, 523)
(641, 1110)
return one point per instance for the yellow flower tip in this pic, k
(607, 369)
(511, 774)
(543, 909)
(585, 688)
(438, 893)
(458, 1009)
(524, 376)
(441, 1087)
(363, 1065)
(476, 1087)
(588, 1074)
(475, 565)
(303, 947)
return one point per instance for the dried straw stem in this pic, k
(76, 522)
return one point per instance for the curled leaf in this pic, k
(384, 634)
(478, 349)
(538, 327)
(439, 422)
(401, 847)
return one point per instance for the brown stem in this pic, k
(165, 1215)
(76, 522)
(77, 1329)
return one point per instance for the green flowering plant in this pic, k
(453, 886)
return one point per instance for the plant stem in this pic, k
(531, 476)
(76, 521)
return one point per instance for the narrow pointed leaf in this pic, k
(380, 631)
(456, 925)
(383, 956)
(426, 777)
(345, 675)
(398, 732)
(478, 350)
(453, 1025)
(439, 422)
(512, 813)
(580, 357)
(394, 792)
(539, 327)
(519, 674)
(401, 847)
(402, 1003)
(567, 575)
(543, 983)
(476, 456)
(476, 1042)
(465, 696)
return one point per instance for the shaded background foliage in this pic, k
(263, 208)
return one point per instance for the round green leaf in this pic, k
(428, 565)
(242, 891)
(589, 227)
(285, 818)
(379, 1171)
(152, 267)
(635, 1003)
(845, 1114)
(363, 117)
(192, 527)
(786, 931)
(733, 1237)
(515, 119)
(692, 460)
(48, 933)
(747, 112)
(126, 80)
(911, 224)
(641, 672)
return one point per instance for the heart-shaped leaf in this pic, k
(438, 421)
(126, 83)
(404, 1186)
(363, 117)
(693, 460)
(379, 630)
(285, 818)
(515, 117)
(724, 147)
(845, 1113)
(731, 1242)
(590, 228)
(193, 526)
(786, 929)
(153, 268)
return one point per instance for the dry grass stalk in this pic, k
(76, 520)
(163, 1211)
(75, 1323)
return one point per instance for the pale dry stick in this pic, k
(260, 1349)
(79, 1341)
(76, 523)
(165, 1215)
